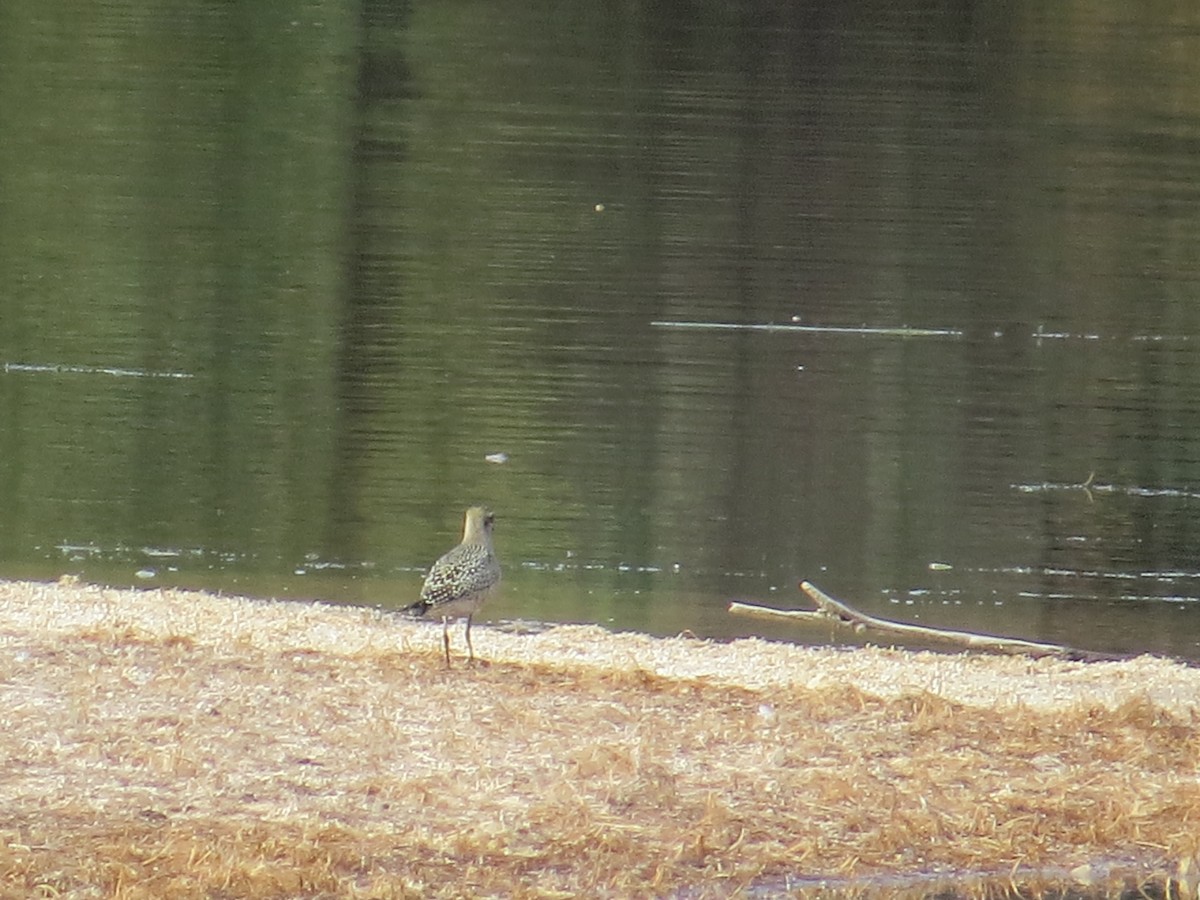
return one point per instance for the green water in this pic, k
(275, 282)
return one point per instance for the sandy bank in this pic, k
(167, 743)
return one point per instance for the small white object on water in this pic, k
(940, 567)
(144, 573)
(497, 458)
(599, 207)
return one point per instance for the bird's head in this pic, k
(478, 524)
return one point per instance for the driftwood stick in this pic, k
(831, 609)
(844, 613)
(815, 616)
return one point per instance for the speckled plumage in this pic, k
(462, 579)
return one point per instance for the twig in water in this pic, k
(830, 609)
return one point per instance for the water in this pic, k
(275, 285)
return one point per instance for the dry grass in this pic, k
(167, 743)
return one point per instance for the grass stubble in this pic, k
(169, 743)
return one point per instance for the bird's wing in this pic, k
(464, 570)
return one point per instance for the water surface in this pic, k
(275, 284)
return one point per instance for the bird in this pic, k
(462, 579)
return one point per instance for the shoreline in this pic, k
(161, 741)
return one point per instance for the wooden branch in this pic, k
(814, 616)
(829, 609)
(970, 639)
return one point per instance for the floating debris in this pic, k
(1092, 487)
(57, 369)
(883, 331)
(164, 552)
(498, 459)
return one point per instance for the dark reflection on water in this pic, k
(267, 305)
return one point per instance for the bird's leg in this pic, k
(446, 638)
(470, 649)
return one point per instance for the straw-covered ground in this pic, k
(175, 744)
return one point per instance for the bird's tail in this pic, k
(416, 610)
